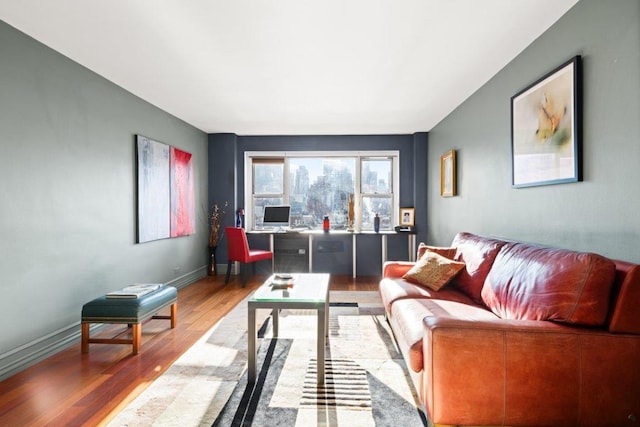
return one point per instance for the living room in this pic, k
(68, 136)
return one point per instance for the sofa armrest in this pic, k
(487, 364)
(396, 269)
(493, 372)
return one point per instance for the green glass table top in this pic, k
(301, 287)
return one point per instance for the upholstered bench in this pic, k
(132, 311)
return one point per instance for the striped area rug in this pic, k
(367, 383)
(346, 386)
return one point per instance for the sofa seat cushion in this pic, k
(530, 282)
(393, 289)
(478, 254)
(406, 320)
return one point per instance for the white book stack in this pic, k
(135, 291)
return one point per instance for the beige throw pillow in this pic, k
(433, 271)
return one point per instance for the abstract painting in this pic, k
(165, 191)
(153, 190)
(545, 129)
(182, 193)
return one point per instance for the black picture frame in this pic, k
(546, 128)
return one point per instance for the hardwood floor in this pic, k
(74, 389)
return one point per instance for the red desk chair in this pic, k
(238, 250)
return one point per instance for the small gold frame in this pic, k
(448, 174)
(408, 216)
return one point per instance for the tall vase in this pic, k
(213, 264)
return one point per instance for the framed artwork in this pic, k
(154, 190)
(546, 129)
(448, 174)
(407, 216)
(165, 191)
(182, 193)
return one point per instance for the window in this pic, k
(377, 195)
(268, 186)
(316, 184)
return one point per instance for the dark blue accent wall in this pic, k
(420, 183)
(223, 181)
(226, 177)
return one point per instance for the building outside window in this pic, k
(318, 184)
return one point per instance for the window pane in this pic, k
(268, 178)
(258, 207)
(319, 187)
(381, 206)
(376, 176)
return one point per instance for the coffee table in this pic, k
(308, 291)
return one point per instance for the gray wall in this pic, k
(67, 222)
(599, 214)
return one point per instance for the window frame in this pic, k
(394, 155)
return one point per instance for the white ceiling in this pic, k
(276, 67)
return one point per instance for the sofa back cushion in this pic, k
(530, 282)
(478, 254)
(444, 251)
(625, 297)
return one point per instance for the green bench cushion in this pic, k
(128, 310)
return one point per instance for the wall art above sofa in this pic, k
(545, 128)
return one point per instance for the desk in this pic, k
(311, 234)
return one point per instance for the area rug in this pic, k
(366, 382)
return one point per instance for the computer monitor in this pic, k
(276, 216)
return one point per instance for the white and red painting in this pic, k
(182, 191)
(165, 191)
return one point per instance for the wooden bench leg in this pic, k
(174, 315)
(137, 337)
(85, 338)
(136, 333)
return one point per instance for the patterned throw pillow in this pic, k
(433, 271)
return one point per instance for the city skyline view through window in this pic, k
(320, 186)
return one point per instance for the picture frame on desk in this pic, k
(407, 216)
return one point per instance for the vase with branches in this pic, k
(216, 233)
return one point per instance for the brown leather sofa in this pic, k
(523, 335)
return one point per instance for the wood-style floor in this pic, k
(74, 389)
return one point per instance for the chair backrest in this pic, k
(237, 245)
